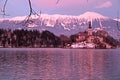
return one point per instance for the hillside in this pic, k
(64, 24)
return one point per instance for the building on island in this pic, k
(90, 39)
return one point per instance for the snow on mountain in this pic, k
(17, 18)
(117, 19)
(92, 15)
(63, 24)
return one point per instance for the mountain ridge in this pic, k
(84, 15)
(64, 24)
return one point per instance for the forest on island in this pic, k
(36, 39)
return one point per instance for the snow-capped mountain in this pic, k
(117, 19)
(64, 24)
(93, 16)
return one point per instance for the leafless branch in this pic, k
(28, 20)
(57, 1)
(4, 8)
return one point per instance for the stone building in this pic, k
(81, 37)
(90, 36)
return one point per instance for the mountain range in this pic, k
(64, 24)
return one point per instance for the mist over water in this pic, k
(59, 64)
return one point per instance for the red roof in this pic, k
(82, 34)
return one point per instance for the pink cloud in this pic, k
(62, 3)
(105, 5)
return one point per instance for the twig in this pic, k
(57, 1)
(4, 8)
(28, 20)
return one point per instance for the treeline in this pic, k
(34, 38)
(28, 38)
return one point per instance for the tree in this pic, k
(73, 38)
(49, 39)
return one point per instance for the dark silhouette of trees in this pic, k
(73, 38)
(110, 40)
(64, 40)
(28, 38)
(44, 39)
(48, 39)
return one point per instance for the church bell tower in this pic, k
(90, 29)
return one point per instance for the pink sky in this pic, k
(106, 4)
(66, 7)
(62, 3)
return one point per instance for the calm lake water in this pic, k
(59, 64)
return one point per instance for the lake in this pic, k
(59, 64)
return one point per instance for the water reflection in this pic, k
(59, 64)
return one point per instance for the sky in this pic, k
(108, 8)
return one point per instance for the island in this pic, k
(90, 38)
(98, 39)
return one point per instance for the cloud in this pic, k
(106, 4)
(62, 3)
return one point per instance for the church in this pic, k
(91, 37)
(86, 36)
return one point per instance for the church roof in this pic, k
(82, 34)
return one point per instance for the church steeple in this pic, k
(89, 29)
(90, 24)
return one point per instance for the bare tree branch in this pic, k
(57, 1)
(28, 20)
(4, 8)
